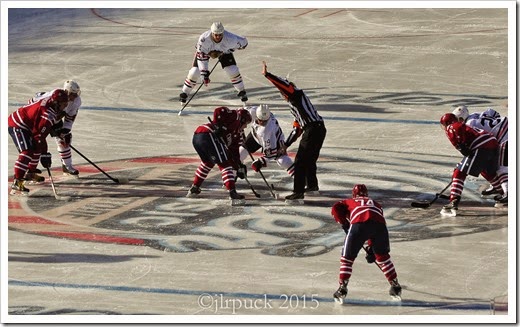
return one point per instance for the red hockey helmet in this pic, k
(58, 99)
(359, 190)
(244, 116)
(448, 119)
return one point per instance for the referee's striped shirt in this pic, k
(301, 107)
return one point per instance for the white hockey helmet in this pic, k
(263, 112)
(72, 86)
(461, 112)
(217, 28)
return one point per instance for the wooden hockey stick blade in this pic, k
(421, 204)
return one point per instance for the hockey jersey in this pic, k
(465, 138)
(69, 113)
(36, 118)
(229, 43)
(229, 121)
(491, 122)
(269, 136)
(363, 209)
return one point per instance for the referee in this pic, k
(309, 124)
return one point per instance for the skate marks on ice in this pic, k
(152, 209)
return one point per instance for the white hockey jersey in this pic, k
(270, 137)
(71, 110)
(491, 122)
(229, 43)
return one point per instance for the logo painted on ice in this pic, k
(152, 210)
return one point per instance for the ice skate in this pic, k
(295, 198)
(395, 290)
(243, 97)
(236, 199)
(193, 192)
(18, 187)
(313, 190)
(341, 293)
(183, 98)
(32, 177)
(450, 210)
(69, 170)
(490, 191)
(501, 201)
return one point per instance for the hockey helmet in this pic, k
(59, 99)
(244, 116)
(72, 86)
(448, 119)
(359, 190)
(461, 112)
(263, 112)
(217, 28)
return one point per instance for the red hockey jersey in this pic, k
(363, 209)
(464, 137)
(37, 118)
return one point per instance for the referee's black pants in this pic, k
(307, 156)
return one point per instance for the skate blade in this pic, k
(338, 300)
(449, 213)
(15, 192)
(294, 202)
(71, 175)
(238, 202)
(500, 205)
(35, 182)
(396, 297)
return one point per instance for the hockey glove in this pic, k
(65, 135)
(242, 171)
(370, 257)
(205, 76)
(340, 213)
(258, 164)
(56, 129)
(46, 160)
(463, 148)
(220, 131)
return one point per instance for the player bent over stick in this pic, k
(62, 130)
(267, 135)
(362, 220)
(29, 127)
(491, 122)
(480, 151)
(216, 43)
(217, 143)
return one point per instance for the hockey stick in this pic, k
(56, 196)
(263, 177)
(115, 180)
(245, 174)
(426, 204)
(197, 90)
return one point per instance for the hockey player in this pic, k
(216, 43)
(62, 130)
(491, 122)
(479, 149)
(310, 125)
(217, 143)
(29, 127)
(267, 135)
(363, 221)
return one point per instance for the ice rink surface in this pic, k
(380, 77)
